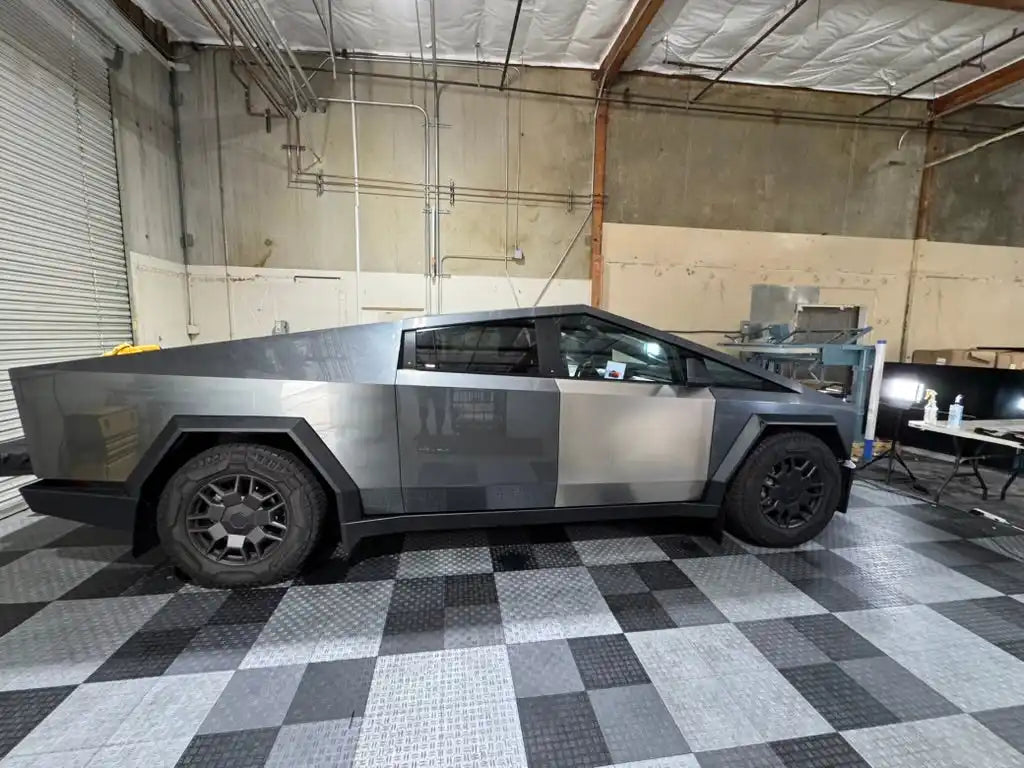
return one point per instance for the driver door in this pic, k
(630, 430)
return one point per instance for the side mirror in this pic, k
(697, 373)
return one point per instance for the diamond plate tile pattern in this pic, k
(896, 638)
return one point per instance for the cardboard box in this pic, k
(965, 358)
(1011, 360)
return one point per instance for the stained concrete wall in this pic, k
(488, 140)
(979, 198)
(691, 169)
(147, 168)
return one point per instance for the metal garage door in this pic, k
(63, 282)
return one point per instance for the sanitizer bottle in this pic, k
(956, 413)
(931, 407)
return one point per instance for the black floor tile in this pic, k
(829, 750)
(662, 575)
(332, 690)
(513, 557)
(161, 580)
(617, 579)
(1013, 647)
(92, 536)
(833, 637)
(996, 619)
(248, 606)
(340, 569)
(957, 553)
(413, 631)
(470, 589)
(832, 595)
(421, 594)
(531, 534)
(111, 581)
(9, 556)
(21, 711)
(561, 731)
(607, 661)
(190, 609)
(144, 654)
(237, 749)
(838, 697)
(1007, 724)
(992, 576)
(678, 547)
(13, 614)
(639, 612)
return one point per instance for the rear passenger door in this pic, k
(477, 420)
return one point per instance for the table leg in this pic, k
(1014, 471)
(956, 467)
(977, 473)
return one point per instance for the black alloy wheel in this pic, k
(237, 519)
(792, 492)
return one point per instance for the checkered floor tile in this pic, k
(894, 639)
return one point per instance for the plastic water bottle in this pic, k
(956, 413)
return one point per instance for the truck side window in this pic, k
(507, 348)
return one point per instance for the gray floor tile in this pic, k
(706, 714)
(948, 742)
(688, 607)
(173, 707)
(692, 652)
(898, 691)
(1007, 724)
(327, 744)
(27, 531)
(745, 589)
(1009, 546)
(66, 642)
(216, 647)
(622, 550)
(983, 618)
(46, 574)
(635, 724)
(617, 579)
(323, 623)
(838, 697)
(468, 626)
(781, 643)
(87, 718)
(151, 754)
(332, 690)
(254, 698)
(457, 706)
(543, 669)
(78, 758)
(551, 604)
(444, 562)
(754, 756)
(907, 628)
(973, 676)
(773, 706)
(835, 639)
(914, 575)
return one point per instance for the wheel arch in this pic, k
(761, 426)
(185, 436)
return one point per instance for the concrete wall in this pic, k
(147, 168)
(688, 169)
(266, 224)
(979, 198)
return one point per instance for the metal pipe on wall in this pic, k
(437, 157)
(179, 168)
(318, 178)
(355, 172)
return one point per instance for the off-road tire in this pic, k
(306, 507)
(744, 516)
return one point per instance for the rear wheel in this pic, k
(241, 515)
(785, 493)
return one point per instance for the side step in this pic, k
(14, 458)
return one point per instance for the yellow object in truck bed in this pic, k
(131, 349)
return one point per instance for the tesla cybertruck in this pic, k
(239, 457)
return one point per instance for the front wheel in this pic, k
(241, 514)
(785, 493)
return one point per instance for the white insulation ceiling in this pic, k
(859, 46)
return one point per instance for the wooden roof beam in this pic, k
(640, 17)
(971, 93)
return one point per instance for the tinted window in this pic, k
(594, 349)
(508, 348)
(722, 375)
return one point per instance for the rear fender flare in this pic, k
(305, 438)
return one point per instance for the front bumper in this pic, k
(107, 505)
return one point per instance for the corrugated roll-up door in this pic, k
(63, 280)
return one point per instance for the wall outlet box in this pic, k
(518, 254)
(192, 329)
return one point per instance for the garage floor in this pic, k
(895, 640)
